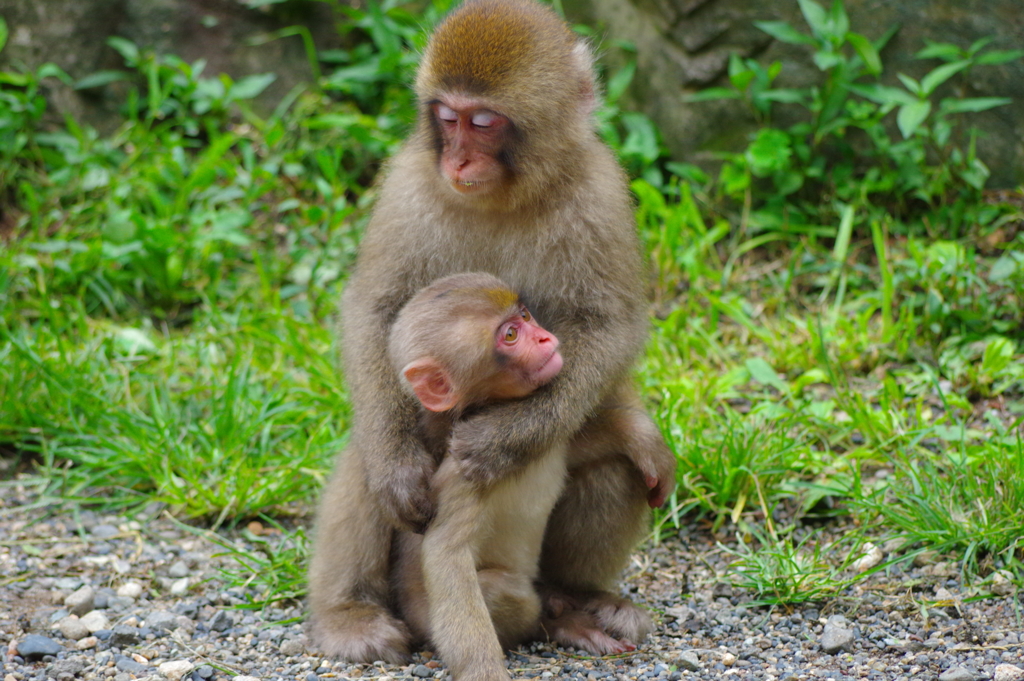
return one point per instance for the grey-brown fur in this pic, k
(562, 235)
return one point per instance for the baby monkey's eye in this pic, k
(526, 315)
(511, 334)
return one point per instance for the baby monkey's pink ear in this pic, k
(432, 385)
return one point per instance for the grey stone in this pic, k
(836, 636)
(957, 674)
(105, 531)
(67, 583)
(422, 671)
(74, 666)
(222, 621)
(73, 628)
(689, 661)
(162, 620)
(123, 635)
(127, 664)
(205, 671)
(178, 570)
(33, 647)
(292, 647)
(81, 601)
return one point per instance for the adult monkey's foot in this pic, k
(580, 630)
(573, 613)
(360, 632)
(618, 616)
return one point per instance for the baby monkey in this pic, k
(468, 584)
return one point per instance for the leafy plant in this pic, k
(931, 175)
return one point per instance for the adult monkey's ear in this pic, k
(431, 384)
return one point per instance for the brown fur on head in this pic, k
(509, 51)
(520, 59)
(453, 321)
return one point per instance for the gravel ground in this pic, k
(106, 597)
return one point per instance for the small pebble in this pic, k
(836, 636)
(180, 588)
(422, 671)
(87, 643)
(95, 621)
(105, 531)
(73, 628)
(81, 601)
(222, 621)
(957, 674)
(1008, 672)
(178, 570)
(689, 661)
(129, 590)
(34, 647)
(124, 635)
(175, 669)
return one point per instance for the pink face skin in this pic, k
(533, 357)
(472, 137)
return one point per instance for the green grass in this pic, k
(167, 293)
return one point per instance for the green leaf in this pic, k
(785, 95)
(769, 152)
(714, 93)
(883, 94)
(125, 48)
(762, 372)
(251, 86)
(842, 245)
(1002, 269)
(782, 31)
(974, 104)
(814, 15)
(910, 84)
(51, 70)
(999, 57)
(641, 137)
(941, 74)
(618, 83)
(911, 116)
(866, 51)
(840, 22)
(4, 32)
(100, 78)
(978, 45)
(740, 74)
(945, 51)
(827, 60)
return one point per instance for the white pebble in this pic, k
(246, 678)
(175, 669)
(728, 659)
(87, 643)
(95, 621)
(873, 555)
(129, 590)
(1002, 583)
(1008, 672)
(180, 587)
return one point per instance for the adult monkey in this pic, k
(504, 174)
